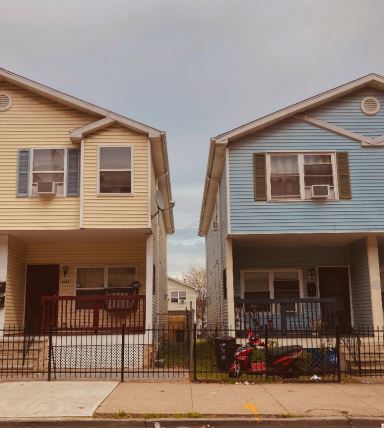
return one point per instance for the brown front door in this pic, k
(42, 280)
(334, 283)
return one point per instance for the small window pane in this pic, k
(256, 282)
(284, 164)
(115, 158)
(288, 186)
(121, 277)
(317, 158)
(115, 182)
(90, 278)
(323, 169)
(286, 285)
(48, 160)
(182, 294)
(57, 178)
(174, 297)
(316, 180)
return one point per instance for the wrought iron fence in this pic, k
(170, 353)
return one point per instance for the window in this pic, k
(293, 175)
(272, 284)
(115, 170)
(256, 285)
(99, 280)
(285, 176)
(48, 165)
(179, 296)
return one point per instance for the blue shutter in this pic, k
(73, 172)
(23, 173)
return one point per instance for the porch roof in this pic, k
(301, 239)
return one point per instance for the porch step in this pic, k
(13, 364)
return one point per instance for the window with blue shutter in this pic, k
(23, 173)
(73, 172)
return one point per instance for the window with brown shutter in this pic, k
(259, 177)
(343, 175)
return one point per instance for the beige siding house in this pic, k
(181, 296)
(79, 222)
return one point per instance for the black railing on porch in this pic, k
(309, 314)
(93, 312)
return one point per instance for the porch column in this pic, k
(230, 293)
(374, 281)
(149, 282)
(3, 271)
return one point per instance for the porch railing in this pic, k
(311, 314)
(93, 312)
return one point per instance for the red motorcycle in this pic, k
(278, 361)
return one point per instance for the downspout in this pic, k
(81, 183)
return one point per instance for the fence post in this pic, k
(122, 353)
(338, 353)
(194, 353)
(266, 350)
(50, 347)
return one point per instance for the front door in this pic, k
(334, 283)
(42, 280)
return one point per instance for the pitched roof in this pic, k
(156, 137)
(219, 143)
(181, 282)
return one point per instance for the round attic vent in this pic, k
(370, 106)
(5, 101)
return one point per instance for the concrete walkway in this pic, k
(261, 400)
(52, 399)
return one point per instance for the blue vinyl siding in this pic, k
(347, 113)
(365, 212)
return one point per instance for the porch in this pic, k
(304, 282)
(82, 281)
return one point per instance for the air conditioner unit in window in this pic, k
(320, 191)
(182, 301)
(46, 188)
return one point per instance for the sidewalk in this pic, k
(79, 400)
(260, 400)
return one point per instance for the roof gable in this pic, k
(300, 111)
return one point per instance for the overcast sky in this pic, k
(192, 68)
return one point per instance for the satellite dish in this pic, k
(159, 200)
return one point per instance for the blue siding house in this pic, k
(293, 214)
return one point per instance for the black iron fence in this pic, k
(170, 353)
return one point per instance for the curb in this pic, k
(214, 422)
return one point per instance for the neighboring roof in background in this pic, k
(181, 282)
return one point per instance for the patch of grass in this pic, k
(121, 414)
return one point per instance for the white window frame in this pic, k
(105, 268)
(300, 156)
(178, 296)
(31, 171)
(271, 272)
(115, 170)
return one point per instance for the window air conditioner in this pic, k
(320, 191)
(46, 188)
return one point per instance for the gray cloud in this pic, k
(192, 68)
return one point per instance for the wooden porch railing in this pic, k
(93, 313)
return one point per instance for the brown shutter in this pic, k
(259, 177)
(343, 175)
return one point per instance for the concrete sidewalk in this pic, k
(260, 400)
(36, 399)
